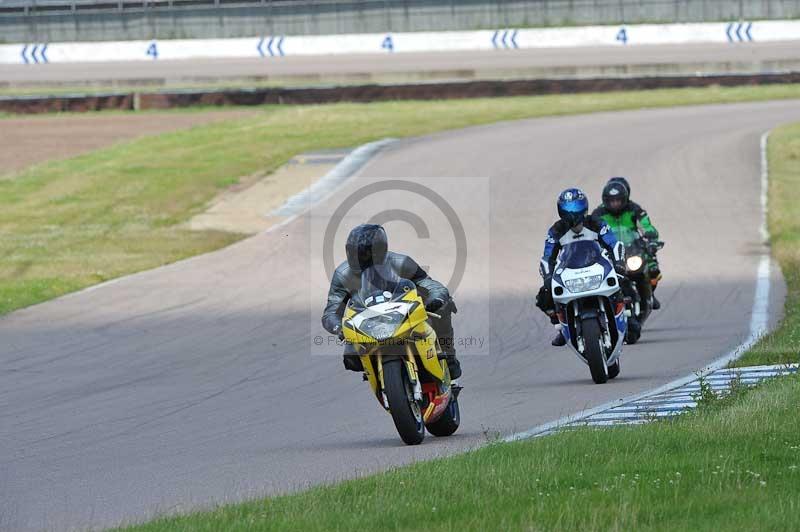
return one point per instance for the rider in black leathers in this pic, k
(367, 245)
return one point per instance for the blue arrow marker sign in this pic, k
(34, 53)
(734, 32)
(273, 46)
(505, 39)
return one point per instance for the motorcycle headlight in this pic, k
(583, 284)
(634, 262)
(382, 327)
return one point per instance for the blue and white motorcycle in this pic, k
(590, 308)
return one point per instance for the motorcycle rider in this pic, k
(367, 245)
(619, 212)
(573, 208)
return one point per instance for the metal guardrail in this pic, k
(33, 7)
(50, 7)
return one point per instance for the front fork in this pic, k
(604, 324)
(413, 374)
(411, 370)
(575, 310)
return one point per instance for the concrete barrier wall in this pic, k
(272, 46)
(206, 19)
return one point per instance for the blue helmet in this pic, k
(573, 206)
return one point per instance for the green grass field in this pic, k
(68, 224)
(732, 464)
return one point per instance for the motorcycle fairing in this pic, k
(428, 349)
(439, 398)
(414, 330)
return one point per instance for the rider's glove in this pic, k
(434, 304)
(654, 245)
(337, 330)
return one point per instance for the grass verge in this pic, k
(69, 224)
(731, 464)
(734, 466)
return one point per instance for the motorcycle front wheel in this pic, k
(405, 411)
(593, 339)
(613, 369)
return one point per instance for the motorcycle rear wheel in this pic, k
(594, 353)
(404, 409)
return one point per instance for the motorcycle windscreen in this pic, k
(581, 254)
(381, 284)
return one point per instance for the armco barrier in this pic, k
(372, 93)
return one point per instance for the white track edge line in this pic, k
(324, 186)
(344, 169)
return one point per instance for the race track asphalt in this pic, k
(198, 383)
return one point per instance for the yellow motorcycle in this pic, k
(387, 323)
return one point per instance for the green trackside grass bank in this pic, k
(69, 224)
(784, 222)
(733, 464)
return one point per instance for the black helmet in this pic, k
(622, 181)
(615, 197)
(366, 245)
(572, 206)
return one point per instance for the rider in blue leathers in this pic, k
(573, 208)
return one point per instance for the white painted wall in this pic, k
(633, 35)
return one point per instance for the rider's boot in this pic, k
(559, 340)
(452, 362)
(634, 330)
(656, 303)
(455, 367)
(654, 285)
(449, 351)
(352, 362)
